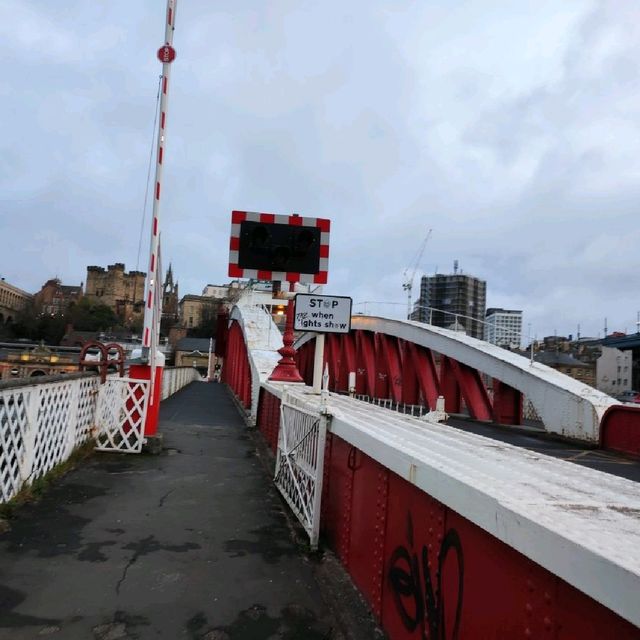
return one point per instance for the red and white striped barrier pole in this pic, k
(166, 54)
(152, 363)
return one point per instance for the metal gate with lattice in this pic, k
(120, 415)
(299, 464)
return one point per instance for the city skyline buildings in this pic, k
(535, 192)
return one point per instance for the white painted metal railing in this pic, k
(42, 422)
(175, 378)
(300, 464)
(40, 425)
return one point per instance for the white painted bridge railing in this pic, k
(175, 378)
(43, 421)
(300, 464)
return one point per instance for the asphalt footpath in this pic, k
(193, 543)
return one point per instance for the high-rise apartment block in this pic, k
(456, 301)
(503, 327)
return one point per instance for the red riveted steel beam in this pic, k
(368, 529)
(366, 359)
(337, 525)
(507, 404)
(391, 353)
(425, 367)
(332, 357)
(410, 385)
(337, 380)
(304, 359)
(473, 390)
(349, 354)
(382, 368)
(449, 386)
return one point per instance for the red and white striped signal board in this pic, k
(267, 246)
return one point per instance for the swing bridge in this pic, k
(516, 514)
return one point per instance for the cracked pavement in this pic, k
(192, 543)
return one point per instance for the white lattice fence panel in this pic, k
(15, 435)
(52, 444)
(86, 409)
(121, 413)
(299, 465)
(40, 425)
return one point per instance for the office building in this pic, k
(503, 327)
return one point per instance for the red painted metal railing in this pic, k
(268, 421)
(237, 370)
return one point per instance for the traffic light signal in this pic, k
(279, 247)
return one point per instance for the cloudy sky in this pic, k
(512, 129)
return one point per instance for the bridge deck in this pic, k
(173, 546)
(537, 440)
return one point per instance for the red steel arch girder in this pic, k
(507, 404)
(422, 361)
(238, 370)
(366, 363)
(381, 389)
(305, 356)
(390, 351)
(388, 366)
(472, 389)
(348, 342)
(449, 385)
(333, 357)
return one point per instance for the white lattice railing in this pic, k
(40, 425)
(42, 422)
(300, 464)
(175, 378)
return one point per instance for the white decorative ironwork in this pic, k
(121, 413)
(40, 425)
(299, 464)
(529, 411)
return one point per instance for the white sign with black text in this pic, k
(322, 314)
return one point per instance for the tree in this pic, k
(89, 316)
(30, 324)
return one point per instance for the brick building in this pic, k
(54, 297)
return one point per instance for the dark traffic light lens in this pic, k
(279, 247)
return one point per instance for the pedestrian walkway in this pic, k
(189, 544)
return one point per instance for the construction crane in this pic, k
(410, 272)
